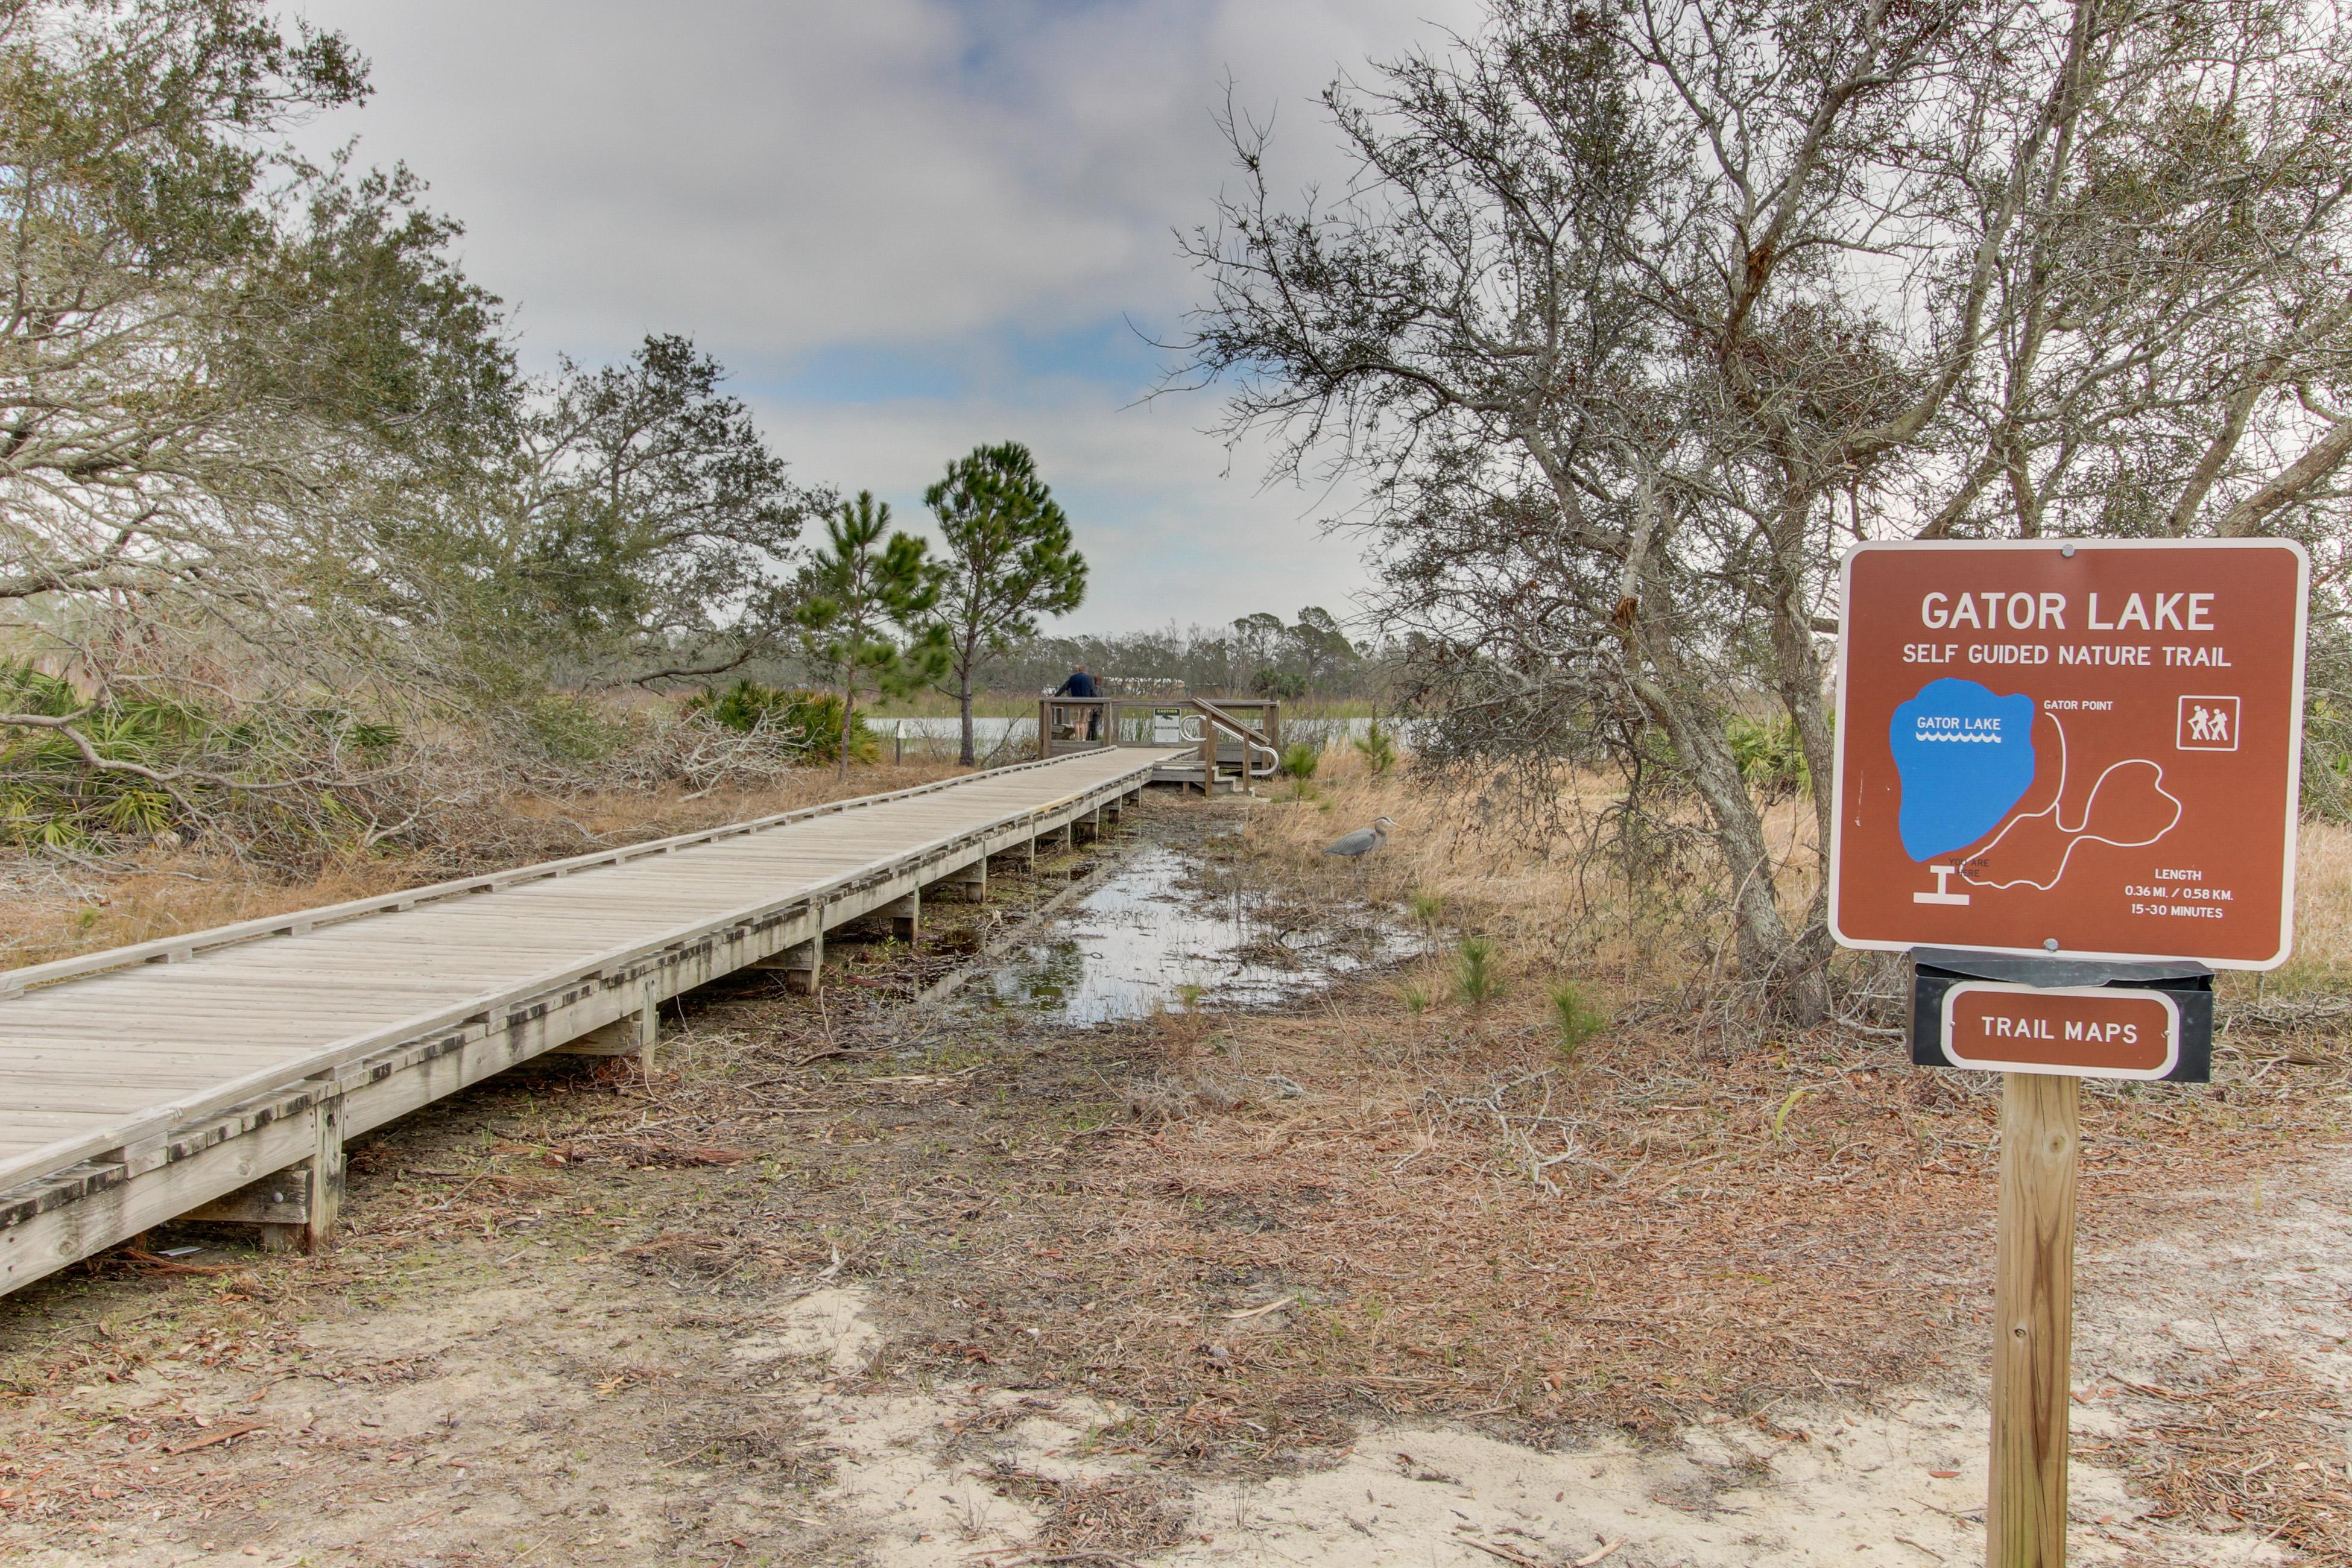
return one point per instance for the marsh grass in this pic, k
(1642, 924)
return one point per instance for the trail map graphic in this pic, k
(2086, 750)
(1966, 758)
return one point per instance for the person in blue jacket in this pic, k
(1081, 684)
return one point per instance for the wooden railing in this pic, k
(1218, 726)
(1219, 719)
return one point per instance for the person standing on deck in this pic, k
(1081, 684)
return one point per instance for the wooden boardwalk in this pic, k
(217, 1074)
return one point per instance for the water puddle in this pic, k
(1149, 938)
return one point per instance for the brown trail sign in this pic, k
(2088, 1031)
(2058, 761)
(2088, 748)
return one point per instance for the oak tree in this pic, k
(1630, 317)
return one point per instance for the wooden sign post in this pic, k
(2033, 1316)
(2062, 760)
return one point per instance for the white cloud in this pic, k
(800, 185)
(1168, 534)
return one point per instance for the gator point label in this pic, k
(2086, 748)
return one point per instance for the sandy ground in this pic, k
(580, 1320)
(480, 1427)
(1900, 1480)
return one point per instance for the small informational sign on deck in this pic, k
(2086, 748)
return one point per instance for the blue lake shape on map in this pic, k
(1966, 758)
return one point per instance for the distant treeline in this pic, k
(1256, 655)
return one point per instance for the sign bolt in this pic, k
(2050, 944)
(2067, 551)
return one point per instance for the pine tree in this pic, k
(866, 611)
(1013, 560)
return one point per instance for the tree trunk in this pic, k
(1800, 678)
(1791, 977)
(963, 697)
(849, 700)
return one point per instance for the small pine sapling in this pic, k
(1299, 761)
(1578, 1019)
(1477, 977)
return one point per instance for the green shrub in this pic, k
(1770, 757)
(50, 796)
(1578, 1019)
(1427, 908)
(570, 728)
(806, 722)
(1282, 685)
(1299, 760)
(1377, 748)
(1477, 979)
(817, 715)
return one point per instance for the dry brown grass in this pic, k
(1571, 886)
(1551, 900)
(1660, 1233)
(51, 909)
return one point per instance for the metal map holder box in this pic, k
(2082, 1018)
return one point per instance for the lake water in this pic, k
(1151, 938)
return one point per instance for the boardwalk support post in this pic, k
(905, 917)
(802, 965)
(973, 880)
(2034, 1317)
(317, 1231)
(632, 1034)
(296, 1208)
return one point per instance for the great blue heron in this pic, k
(1362, 842)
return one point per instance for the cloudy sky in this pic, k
(907, 226)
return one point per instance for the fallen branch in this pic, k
(218, 1435)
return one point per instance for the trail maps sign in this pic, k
(2086, 748)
